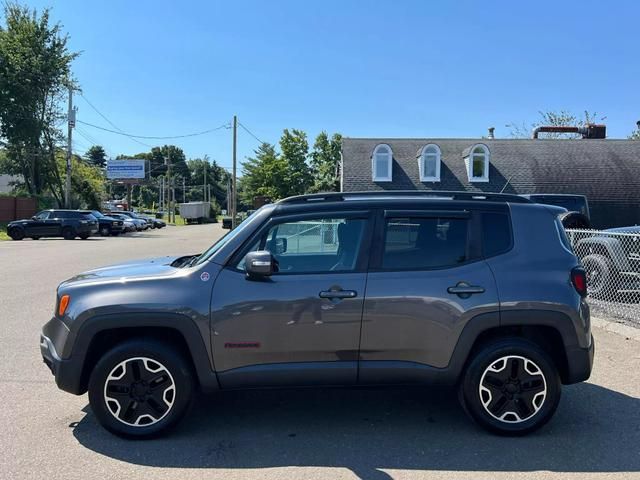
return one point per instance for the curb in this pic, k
(618, 328)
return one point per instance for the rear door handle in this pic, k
(464, 290)
(331, 294)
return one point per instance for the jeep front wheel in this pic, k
(511, 387)
(140, 389)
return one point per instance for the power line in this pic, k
(111, 123)
(250, 133)
(204, 132)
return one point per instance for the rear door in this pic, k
(426, 281)
(301, 326)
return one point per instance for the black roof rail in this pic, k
(445, 195)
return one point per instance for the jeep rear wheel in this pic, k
(140, 388)
(105, 231)
(511, 387)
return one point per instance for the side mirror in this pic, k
(34, 218)
(259, 264)
(281, 246)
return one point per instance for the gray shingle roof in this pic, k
(604, 170)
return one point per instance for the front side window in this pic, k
(42, 215)
(382, 163)
(417, 243)
(313, 246)
(478, 164)
(429, 164)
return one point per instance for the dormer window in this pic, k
(477, 163)
(429, 163)
(381, 163)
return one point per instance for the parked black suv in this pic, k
(107, 225)
(478, 291)
(55, 223)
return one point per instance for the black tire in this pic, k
(175, 370)
(105, 231)
(516, 404)
(35, 237)
(115, 234)
(84, 236)
(68, 233)
(16, 233)
(600, 275)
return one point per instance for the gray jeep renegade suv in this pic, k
(481, 292)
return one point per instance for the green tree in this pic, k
(635, 135)
(96, 156)
(35, 70)
(266, 173)
(295, 149)
(325, 163)
(87, 181)
(561, 118)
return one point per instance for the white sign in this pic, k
(125, 169)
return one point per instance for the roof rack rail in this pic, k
(445, 195)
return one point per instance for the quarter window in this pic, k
(382, 163)
(417, 243)
(313, 246)
(496, 233)
(429, 164)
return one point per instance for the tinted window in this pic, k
(322, 245)
(496, 233)
(415, 243)
(42, 215)
(60, 214)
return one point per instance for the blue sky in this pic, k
(365, 69)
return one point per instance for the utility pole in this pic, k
(168, 164)
(71, 123)
(204, 183)
(234, 199)
(159, 196)
(184, 194)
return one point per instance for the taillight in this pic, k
(579, 281)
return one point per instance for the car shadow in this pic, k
(369, 430)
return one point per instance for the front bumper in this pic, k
(67, 373)
(55, 351)
(579, 363)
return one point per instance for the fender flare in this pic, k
(202, 360)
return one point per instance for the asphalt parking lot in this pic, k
(370, 434)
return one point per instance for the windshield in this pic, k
(97, 214)
(224, 240)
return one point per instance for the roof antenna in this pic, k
(505, 185)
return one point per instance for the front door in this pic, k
(427, 279)
(38, 226)
(301, 326)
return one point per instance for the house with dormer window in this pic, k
(606, 171)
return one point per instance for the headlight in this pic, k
(83, 222)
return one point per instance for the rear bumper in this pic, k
(579, 363)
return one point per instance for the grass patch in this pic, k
(3, 232)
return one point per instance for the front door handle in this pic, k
(331, 294)
(464, 290)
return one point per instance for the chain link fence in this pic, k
(612, 263)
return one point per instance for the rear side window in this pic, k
(423, 243)
(496, 233)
